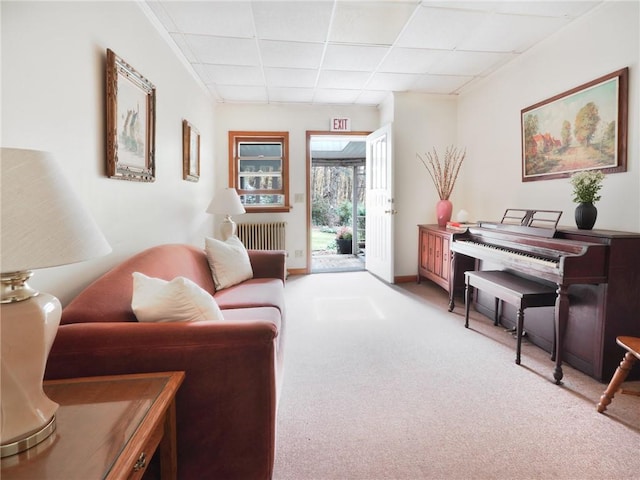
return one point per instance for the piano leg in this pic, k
(452, 282)
(561, 318)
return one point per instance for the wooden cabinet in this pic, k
(434, 257)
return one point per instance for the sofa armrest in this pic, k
(226, 406)
(268, 263)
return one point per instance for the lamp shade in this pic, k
(226, 202)
(43, 222)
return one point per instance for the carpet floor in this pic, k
(381, 382)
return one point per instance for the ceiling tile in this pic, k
(293, 21)
(445, 84)
(226, 19)
(376, 23)
(291, 95)
(409, 60)
(440, 28)
(394, 82)
(337, 96)
(352, 51)
(342, 80)
(233, 93)
(291, 54)
(511, 33)
(353, 57)
(224, 50)
(468, 63)
(233, 74)
(291, 77)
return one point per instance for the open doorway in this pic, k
(337, 188)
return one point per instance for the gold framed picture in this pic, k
(131, 105)
(190, 152)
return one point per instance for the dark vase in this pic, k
(344, 245)
(586, 214)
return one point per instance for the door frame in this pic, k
(317, 133)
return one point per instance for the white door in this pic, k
(380, 204)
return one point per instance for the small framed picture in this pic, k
(131, 105)
(190, 152)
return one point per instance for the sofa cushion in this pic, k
(257, 292)
(178, 300)
(228, 260)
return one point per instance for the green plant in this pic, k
(586, 185)
(345, 210)
(344, 233)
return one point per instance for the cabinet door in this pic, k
(424, 250)
(431, 255)
(445, 267)
(437, 242)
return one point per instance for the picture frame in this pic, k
(130, 123)
(190, 152)
(584, 128)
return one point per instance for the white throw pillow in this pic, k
(229, 261)
(180, 300)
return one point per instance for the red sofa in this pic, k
(226, 407)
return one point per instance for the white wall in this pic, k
(53, 98)
(297, 120)
(420, 123)
(489, 120)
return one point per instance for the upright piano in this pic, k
(596, 274)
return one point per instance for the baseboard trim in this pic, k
(404, 279)
(296, 271)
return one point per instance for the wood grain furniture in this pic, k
(107, 428)
(632, 346)
(596, 272)
(520, 292)
(434, 258)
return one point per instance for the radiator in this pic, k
(262, 236)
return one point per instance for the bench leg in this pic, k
(496, 305)
(618, 377)
(519, 327)
(467, 301)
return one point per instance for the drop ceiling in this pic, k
(352, 52)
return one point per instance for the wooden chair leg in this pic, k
(618, 377)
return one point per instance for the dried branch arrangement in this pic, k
(444, 175)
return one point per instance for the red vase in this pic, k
(443, 211)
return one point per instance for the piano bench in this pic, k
(513, 289)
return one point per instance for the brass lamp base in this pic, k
(29, 441)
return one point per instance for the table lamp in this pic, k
(43, 225)
(226, 202)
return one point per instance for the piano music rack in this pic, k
(532, 218)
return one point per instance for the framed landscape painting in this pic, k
(582, 129)
(131, 105)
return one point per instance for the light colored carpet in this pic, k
(381, 382)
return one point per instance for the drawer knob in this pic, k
(140, 463)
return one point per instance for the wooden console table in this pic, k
(107, 428)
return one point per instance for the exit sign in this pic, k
(339, 124)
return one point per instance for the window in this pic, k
(259, 170)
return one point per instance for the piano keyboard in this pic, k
(548, 262)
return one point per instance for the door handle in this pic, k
(392, 212)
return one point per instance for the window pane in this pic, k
(262, 199)
(260, 165)
(260, 182)
(260, 150)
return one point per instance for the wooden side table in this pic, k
(107, 428)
